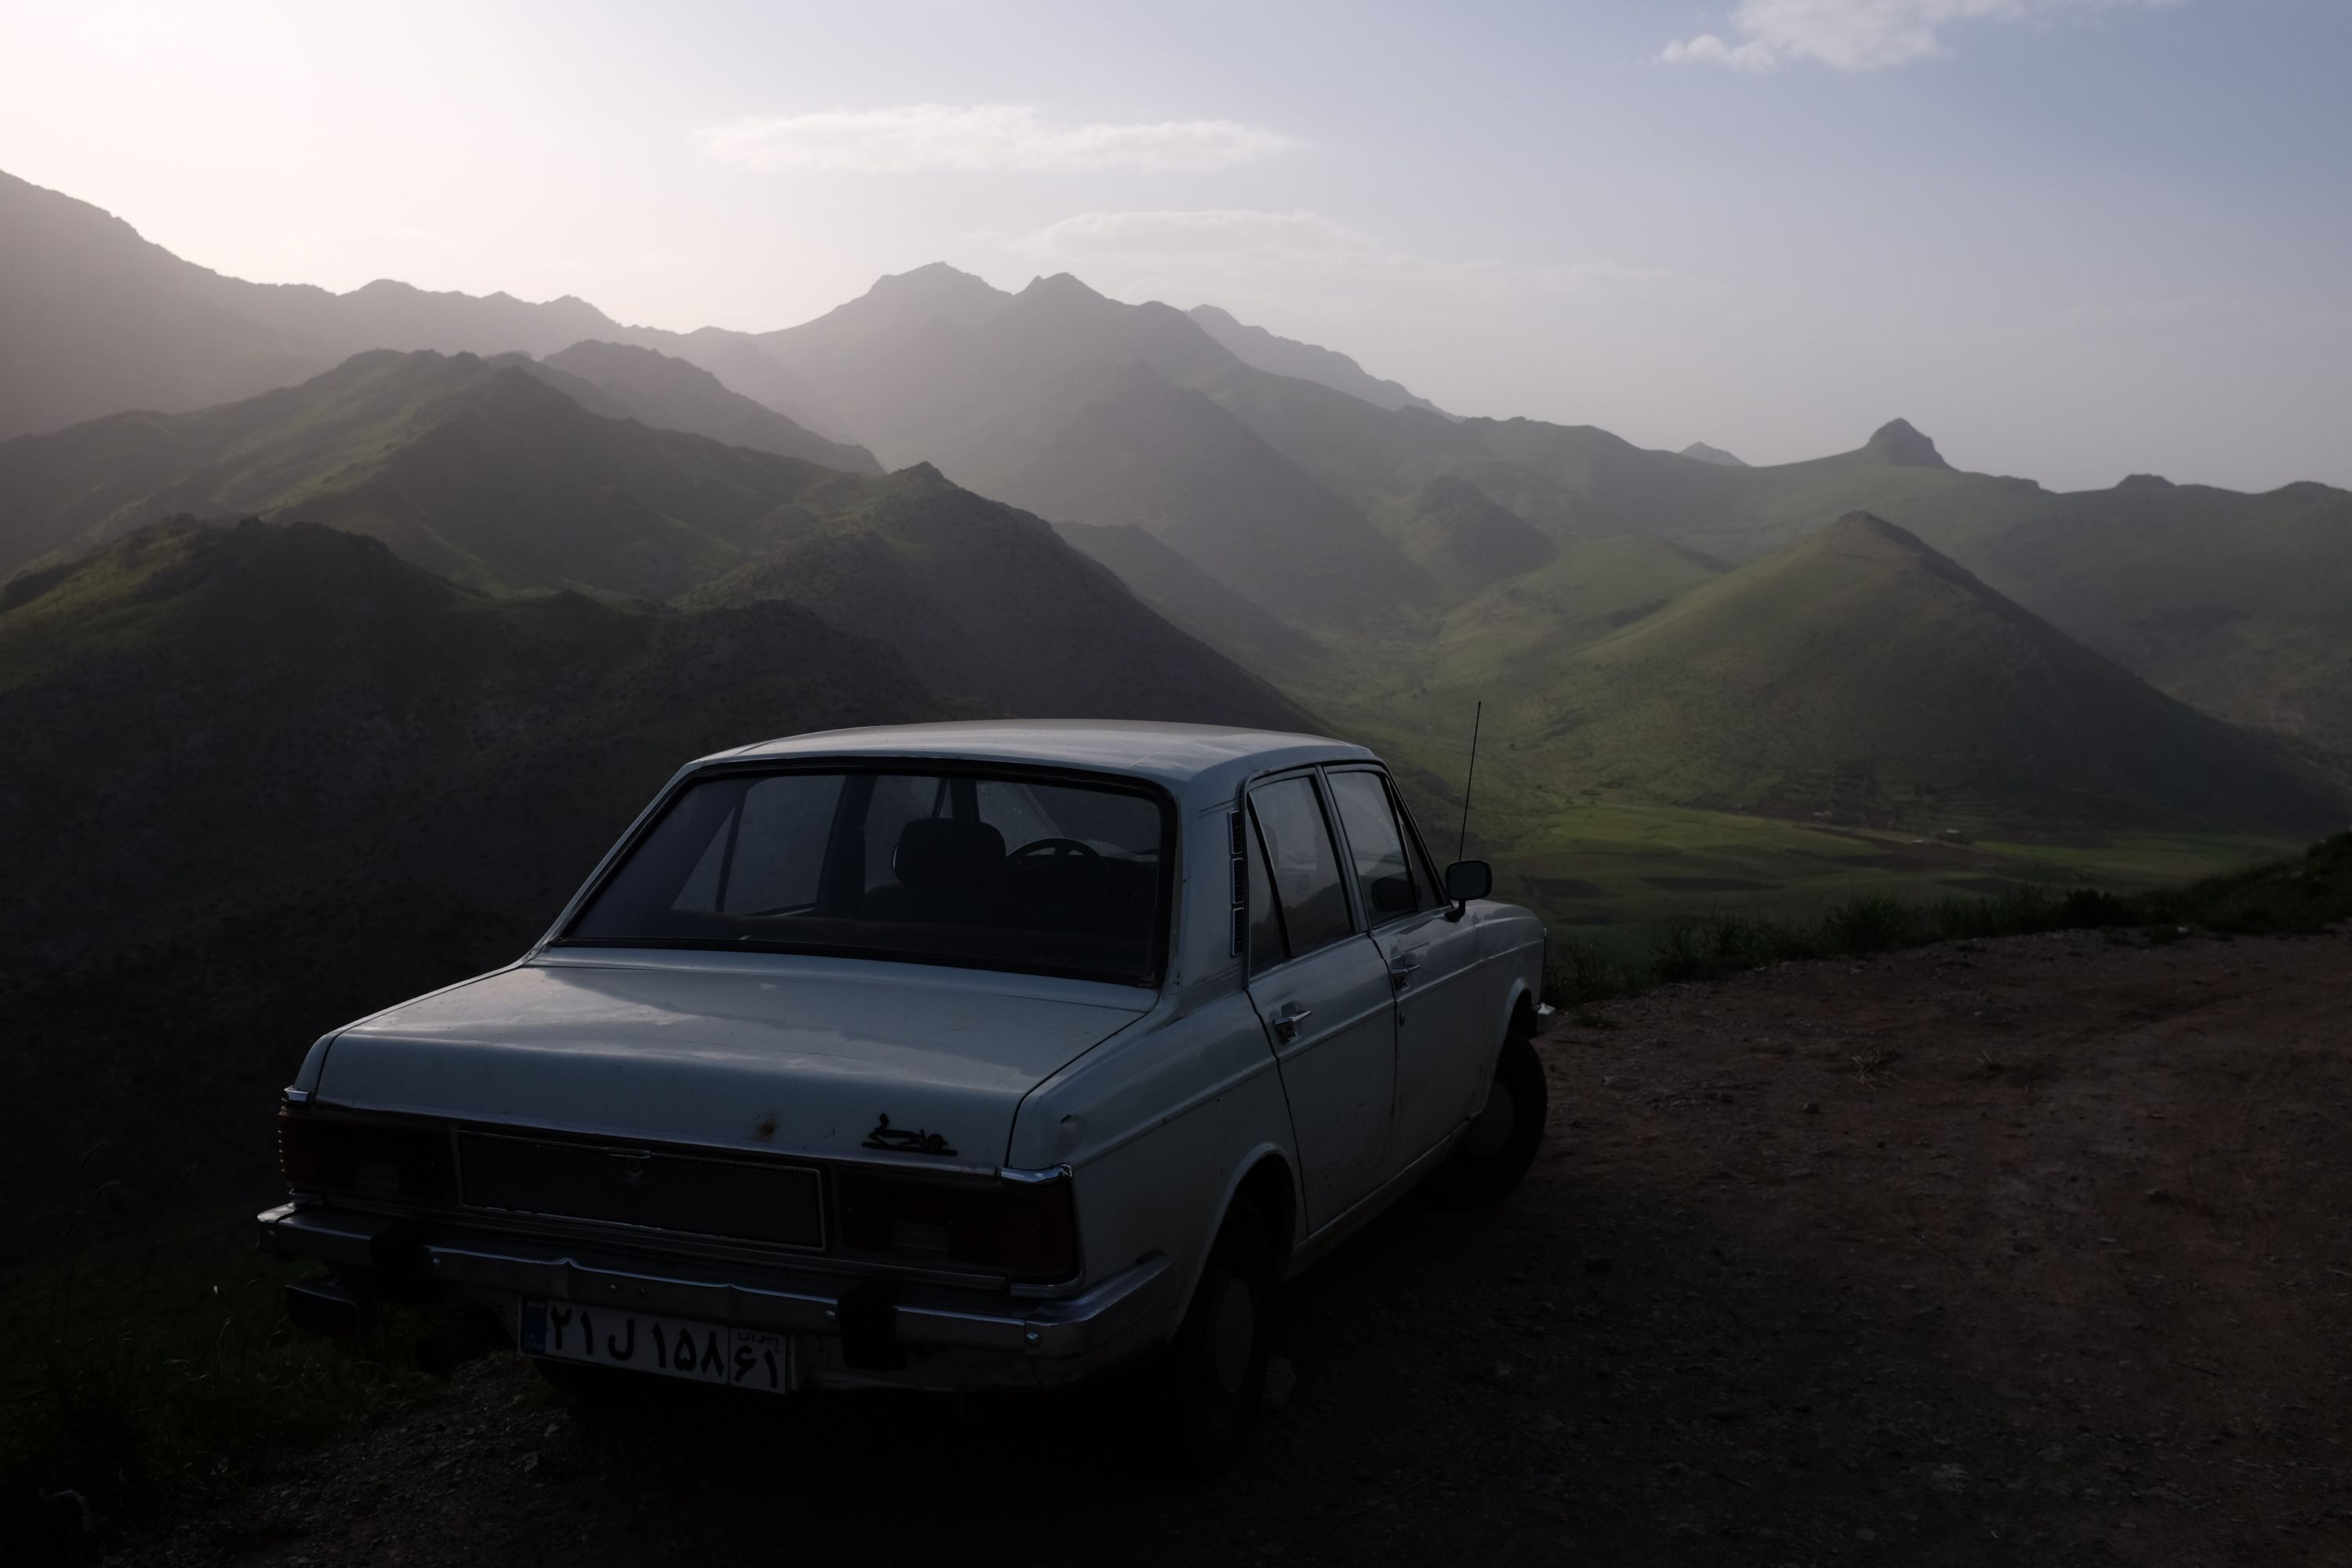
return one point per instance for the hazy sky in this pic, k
(2068, 239)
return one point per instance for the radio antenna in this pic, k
(1464, 841)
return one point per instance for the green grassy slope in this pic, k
(2239, 605)
(1860, 670)
(1452, 531)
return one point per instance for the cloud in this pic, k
(1215, 232)
(1862, 34)
(1210, 244)
(981, 137)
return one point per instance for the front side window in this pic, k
(993, 871)
(1308, 885)
(1384, 871)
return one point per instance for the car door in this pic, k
(1430, 959)
(1321, 988)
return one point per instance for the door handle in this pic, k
(1287, 1021)
(1400, 970)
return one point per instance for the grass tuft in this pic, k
(2299, 897)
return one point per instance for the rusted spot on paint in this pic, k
(764, 1128)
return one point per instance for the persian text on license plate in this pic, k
(705, 1353)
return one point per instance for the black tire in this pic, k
(1213, 1377)
(1498, 1147)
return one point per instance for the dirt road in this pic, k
(2033, 1251)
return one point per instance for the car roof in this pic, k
(1196, 762)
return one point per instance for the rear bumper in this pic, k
(941, 1337)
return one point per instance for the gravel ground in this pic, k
(2037, 1250)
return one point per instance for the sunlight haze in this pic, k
(2071, 240)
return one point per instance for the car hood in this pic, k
(754, 1051)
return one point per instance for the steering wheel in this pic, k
(1056, 863)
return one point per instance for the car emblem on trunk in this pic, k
(631, 1170)
(900, 1140)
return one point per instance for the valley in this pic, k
(1839, 512)
(371, 617)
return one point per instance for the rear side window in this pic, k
(1384, 872)
(1305, 866)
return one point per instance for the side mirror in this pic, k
(1468, 880)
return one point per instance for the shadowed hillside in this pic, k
(1262, 349)
(986, 602)
(1451, 529)
(324, 780)
(668, 394)
(474, 469)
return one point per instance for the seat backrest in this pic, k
(947, 858)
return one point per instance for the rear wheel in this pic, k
(1501, 1140)
(1214, 1374)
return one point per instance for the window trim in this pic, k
(944, 768)
(1409, 839)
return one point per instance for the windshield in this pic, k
(991, 869)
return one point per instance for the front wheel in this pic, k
(1500, 1143)
(1213, 1375)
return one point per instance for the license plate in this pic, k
(672, 1347)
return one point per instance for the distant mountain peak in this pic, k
(1898, 444)
(1703, 453)
(1059, 286)
(935, 283)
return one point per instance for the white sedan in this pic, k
(939, 1056)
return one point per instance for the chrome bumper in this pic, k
(1106, 1318)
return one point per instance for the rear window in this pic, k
(987, 870)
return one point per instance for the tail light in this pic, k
(365, 1159)
(1025, 1229)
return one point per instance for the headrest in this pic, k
(943, 855)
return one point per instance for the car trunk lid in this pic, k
(757, 1052)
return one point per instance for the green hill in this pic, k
(476, 470)
(668, 394)
(2236, 604)
(1451, 529)
(1860, 671)
(491, 472)
(1254, 637)
(986, 602)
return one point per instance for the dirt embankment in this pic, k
(2035, 1251)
